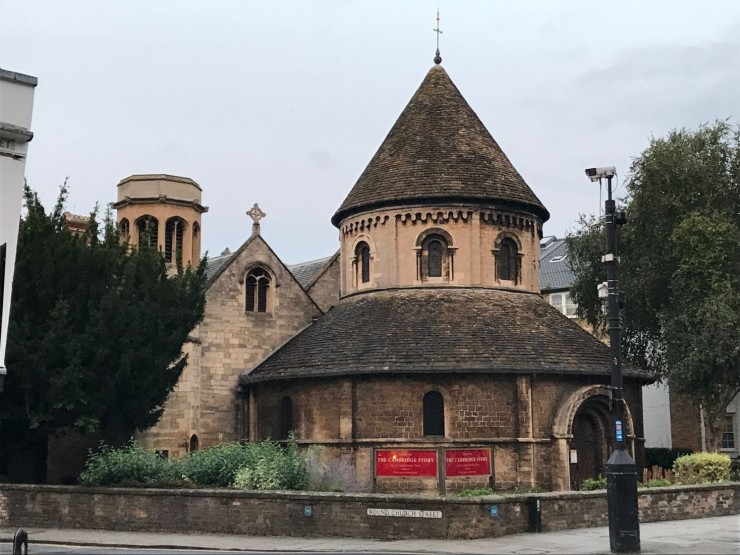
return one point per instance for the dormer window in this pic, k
(257, 288)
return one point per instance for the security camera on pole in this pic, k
(621, 471)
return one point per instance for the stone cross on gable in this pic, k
(256, 214)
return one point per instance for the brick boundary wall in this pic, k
(333, 514)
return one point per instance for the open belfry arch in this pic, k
(422, 350)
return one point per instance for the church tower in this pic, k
(440, 204)
(163, 211)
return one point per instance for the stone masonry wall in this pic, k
(231, 341)
(325, 290)
(328, 514)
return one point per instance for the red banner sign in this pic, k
(468, 462)
(405, 463)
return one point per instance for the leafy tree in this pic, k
(96, 331)
(680, 266)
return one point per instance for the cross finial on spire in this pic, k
(437, 57)
(256, 214)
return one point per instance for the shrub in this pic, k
(702, 468)
(339, 474)
(655, 483)
(217, 466)
(593, 483)
(272, 467)
(735, 470)
(475, 492)
(130, 465)
(663, 457)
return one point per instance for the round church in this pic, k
(422, 351)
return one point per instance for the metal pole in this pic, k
(621, 471)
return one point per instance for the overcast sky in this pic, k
(284, 103)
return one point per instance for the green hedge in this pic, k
(702, 468)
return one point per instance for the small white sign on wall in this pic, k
(573, 456)
(404, 513)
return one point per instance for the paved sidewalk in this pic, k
(720, 535)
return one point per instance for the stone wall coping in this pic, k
(15, 77)
(319, 496)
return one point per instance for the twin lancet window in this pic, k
(257, 290)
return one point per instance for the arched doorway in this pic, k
(589, 446)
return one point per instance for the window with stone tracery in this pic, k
(148, 230)
(124, 229)
(257, 289)
(174, 230)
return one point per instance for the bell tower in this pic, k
(163, 211)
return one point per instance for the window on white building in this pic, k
(563, 303)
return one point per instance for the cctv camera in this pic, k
(595, 174)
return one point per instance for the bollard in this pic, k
(20, 542)
(535, 514)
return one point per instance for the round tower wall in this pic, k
(402, 255)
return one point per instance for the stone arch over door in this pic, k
(583, 422)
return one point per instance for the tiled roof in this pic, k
(555, 272)
(449, 330)
(439, 151)
(213, 265)
(306, 272)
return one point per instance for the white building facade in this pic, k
(16, 105)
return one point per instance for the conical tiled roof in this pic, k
(438, 151)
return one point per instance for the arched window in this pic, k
(193, 443)
(286, 418)
(174, 231)
(257, 288)
(434, 258)
(196, 243)
(507, 261)
(148, 229)
(362, 261)
(124, 230)
(434, 414)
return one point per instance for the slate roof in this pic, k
(555, 272)
(447, 330)
(213, 265)
(439, 151)
(306, 272)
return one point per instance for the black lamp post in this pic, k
(621, 471)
